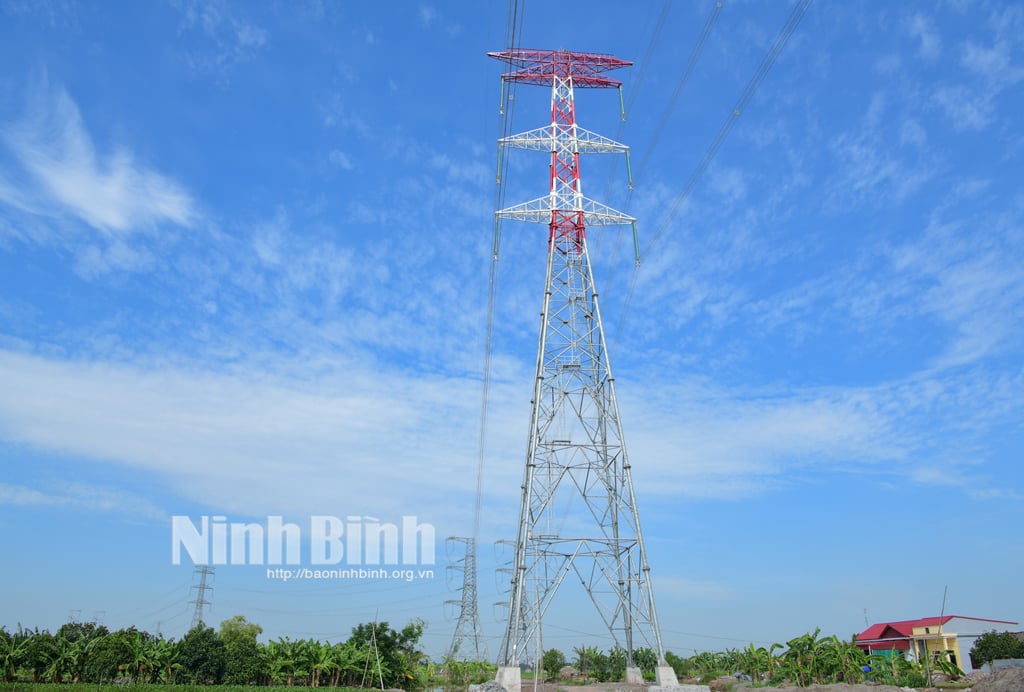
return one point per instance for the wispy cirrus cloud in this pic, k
(83, 496)
(427, 14)
(971, 104)
(874, 167)
(67, 177)
(370, 437)
(922, 28)
(225, 40)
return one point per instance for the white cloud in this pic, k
(80, 496)
(911, 132)
(364, 440)
(341, 159)
(114, 193)
(95, 260)
(972, 105)
(710, 442)
(968, 109)
(229, 40)
(250, 35)
(973, 283)
(381, 440)
(427, 14)
(870, 167)
(929, 42)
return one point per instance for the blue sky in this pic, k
(244, 251)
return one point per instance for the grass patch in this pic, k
(91, 687)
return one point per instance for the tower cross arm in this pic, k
(542, 139)
(539, 211)
(539, 66)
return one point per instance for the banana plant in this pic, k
(802, 661)
(947, 667)
(842, 661)
(62, 657)
(757, 662)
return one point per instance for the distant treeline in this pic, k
(378, 656)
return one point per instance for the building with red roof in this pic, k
(952, 635)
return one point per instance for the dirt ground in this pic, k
(1010, 680)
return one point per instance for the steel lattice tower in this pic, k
(576, 447)
(468, 625)
(203, 571)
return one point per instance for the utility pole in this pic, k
(576, 449)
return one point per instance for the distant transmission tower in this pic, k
(204, 571)
(467, 629)
(576, 448)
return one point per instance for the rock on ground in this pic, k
(1007, 680)
(489, 686)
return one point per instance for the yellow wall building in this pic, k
(926, 639)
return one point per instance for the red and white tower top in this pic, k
(564, 208)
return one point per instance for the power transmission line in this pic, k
(684, 77)
(755, 81)
(748, 93)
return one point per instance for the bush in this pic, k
(552, 662)
(994, 646)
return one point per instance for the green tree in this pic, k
(393, 655)
(892, 668)
(646, 660)
(244, 656)
(840, 661)
(38, 652)
(616, 665)
(804, 660)
(586, 657)
(137, 659)
(321, 661)
(165, 660)
(993, 646)
(62, 658)
(756, 662)
(12, 653)
(349, 663)
(552, 662)
(106, 654)
(203, 656)
(599, 666)
(84, 638)
(679, 665)
(278, 665)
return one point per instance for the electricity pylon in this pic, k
(467, 628)
(197, 615)
(576, 448)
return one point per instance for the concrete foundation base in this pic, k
(634, 676)
(510, 678)
(665, 676)
(666, 681)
